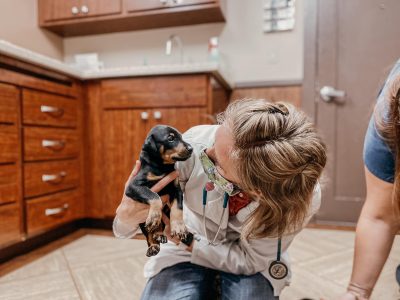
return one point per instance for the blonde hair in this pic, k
(279, 157)
(388, 125)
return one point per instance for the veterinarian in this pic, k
(379, 220)
(250, 186)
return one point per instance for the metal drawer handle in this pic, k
(54, 178)
(53, 144)
(56, 210)
(51, 110)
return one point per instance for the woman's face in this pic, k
(219, 153)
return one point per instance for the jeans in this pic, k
(190, 281)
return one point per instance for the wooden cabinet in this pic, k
(10, 165)
(124, 112)
(41, 145)
(83, 17)
(142, 5)
(52, 155)
(124, 133)
(56, 10)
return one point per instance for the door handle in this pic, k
(329, 94)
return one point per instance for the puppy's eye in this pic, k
(170, 138)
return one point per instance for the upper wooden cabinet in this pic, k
(140, 5)
(84, 17)
(55, 10)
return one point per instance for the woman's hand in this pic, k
(131, 212)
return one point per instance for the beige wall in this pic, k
(254, 57)
(19, 25)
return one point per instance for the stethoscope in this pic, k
(277, 269)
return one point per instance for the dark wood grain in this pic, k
(66, 171)
(9, 183)
(157, 91)
(34, 150)
(9, 224)
(66, 116)
(38, 221)
(9, 143)
(9, 103)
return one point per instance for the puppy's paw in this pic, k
(179, 229)
(160, 238)
(153, 250)
(153, 220)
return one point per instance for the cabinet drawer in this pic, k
(46, 177)
(165, 91)
(46, 212)
(9, 148)
(9, 103)
(9, 183)
(45, 109)
(9, 224)
(49, 143)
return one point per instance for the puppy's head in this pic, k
(166, 142)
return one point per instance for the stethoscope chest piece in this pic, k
(278, 270)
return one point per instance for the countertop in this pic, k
(26, 55)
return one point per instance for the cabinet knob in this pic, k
(74, 10)
(85, 9)
(157, 115)
(144, 115)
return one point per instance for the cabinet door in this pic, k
(140, 5)
(180, 118)
(54, 10)
(124, 132)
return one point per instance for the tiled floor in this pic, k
(101, 267)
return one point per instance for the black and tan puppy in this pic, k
(162, 148)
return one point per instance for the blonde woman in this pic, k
(250, 186)
(379, 220)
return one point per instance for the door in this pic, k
(350, 46)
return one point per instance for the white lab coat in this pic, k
(231, 254)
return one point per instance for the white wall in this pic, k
(253, 56)
(19, 25)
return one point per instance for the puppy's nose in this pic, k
(189, 149)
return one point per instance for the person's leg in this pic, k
(181, 281)
(243, 287)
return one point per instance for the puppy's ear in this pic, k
(150, 144)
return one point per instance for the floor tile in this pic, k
(52, 262)
(54, 286)
(120, 279)
(92, 250)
